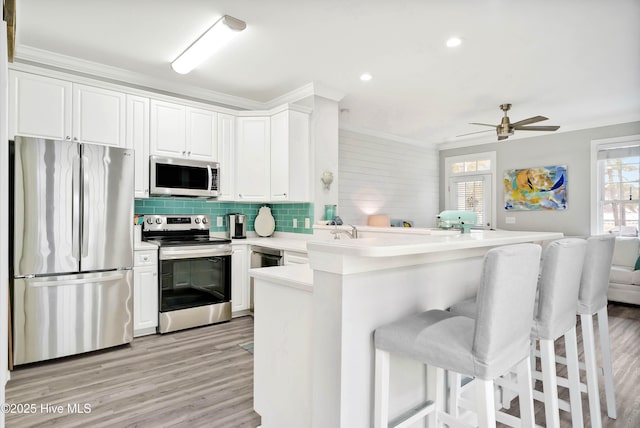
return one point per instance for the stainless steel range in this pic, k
(195, 271)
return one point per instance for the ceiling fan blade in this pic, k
(482, 124)
(502, 138)
(537, 128)
(530, 120)
(477, 132)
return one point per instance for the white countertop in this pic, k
(298, 276)
(141, 245)
(404, 245)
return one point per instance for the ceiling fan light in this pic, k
(218, 35)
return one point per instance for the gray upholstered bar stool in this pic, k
(554, 316)
(484, 347)
(593, 301)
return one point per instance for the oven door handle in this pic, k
(193, 253)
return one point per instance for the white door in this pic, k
(138, 138)
(253, 159)
(168, 129)
(226, 139)
(202, 135)
(99, 116)
(473, 193)
(39, 106)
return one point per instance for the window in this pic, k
(469, 185)
(617, 185)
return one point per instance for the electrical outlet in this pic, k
(219, 221)
(510, 220)
(307, 223)
(295, 223)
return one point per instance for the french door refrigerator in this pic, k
(72, 248)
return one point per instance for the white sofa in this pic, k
(624, 281)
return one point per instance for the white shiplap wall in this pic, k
(380, 176)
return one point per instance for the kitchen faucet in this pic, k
(353, 233)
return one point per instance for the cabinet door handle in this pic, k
(240, 195)
(184, 153)
(67, 138)
(75, 138)
(188, 153)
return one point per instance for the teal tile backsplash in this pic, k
(283, 213)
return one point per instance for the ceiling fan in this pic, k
(506, 128)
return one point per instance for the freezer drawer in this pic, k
(57, 316)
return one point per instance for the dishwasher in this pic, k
(263, 257)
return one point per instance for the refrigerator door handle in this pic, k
(85, 212)
(53, 283)
(75, 208)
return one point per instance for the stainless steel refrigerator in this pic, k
(72, 208)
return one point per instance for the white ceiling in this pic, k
(574, 61)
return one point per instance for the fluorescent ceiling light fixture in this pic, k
(365, 77)
(453, 42)
(220, 33)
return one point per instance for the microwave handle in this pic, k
(210, 174)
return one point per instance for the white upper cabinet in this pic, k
(202, 138)
(138, 138)
(52, 108)
(39, 106)
(180, 131)
(226, 141)
(98, 116)
(290, 162)
(252, 155)
(168, 129)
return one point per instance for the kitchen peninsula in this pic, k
(314, 354)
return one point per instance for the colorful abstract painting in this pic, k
(539, 188)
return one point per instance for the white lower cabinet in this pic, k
(240, 299)
(295, 258)
(145, 292)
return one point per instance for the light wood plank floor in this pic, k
(202, 378)
(624, 330)
(193, 378)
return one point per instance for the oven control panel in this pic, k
(159, 223)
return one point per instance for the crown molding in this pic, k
(348, 131)
(28, 54)
(310, 89)
(324, 91)
(31, 56)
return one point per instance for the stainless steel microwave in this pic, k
(183, 177)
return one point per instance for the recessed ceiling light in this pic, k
(365, 77)
(453, 42)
